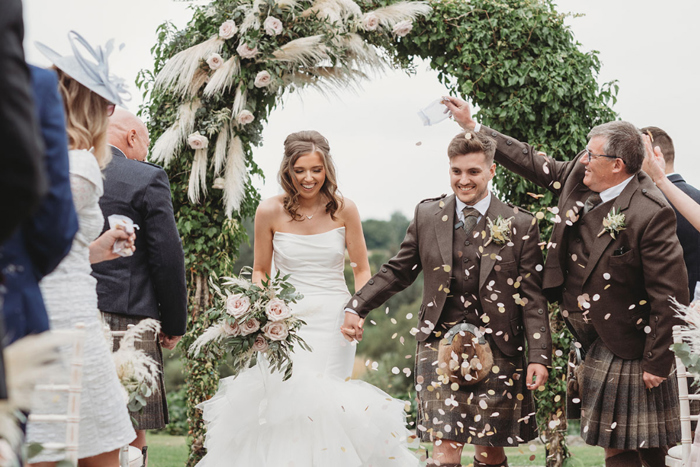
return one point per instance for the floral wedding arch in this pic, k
(214, 84)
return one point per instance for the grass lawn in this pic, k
(171, 451)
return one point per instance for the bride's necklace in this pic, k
(312, 215)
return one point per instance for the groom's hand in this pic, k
(352, 327)
(537, 374)
(460, 112)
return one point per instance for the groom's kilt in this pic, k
(497, 411)
(155, 414)
(618, 411)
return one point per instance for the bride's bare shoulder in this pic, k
(270, 208)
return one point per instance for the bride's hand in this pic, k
(654, 162)
(352, 327)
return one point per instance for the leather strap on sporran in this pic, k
(574, 383)
(464, 355)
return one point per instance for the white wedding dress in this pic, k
(319, 417)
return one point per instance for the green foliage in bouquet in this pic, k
(516, 59)
(250, 321)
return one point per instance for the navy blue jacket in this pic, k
(687, 234)
(43, 240)
(151, 283)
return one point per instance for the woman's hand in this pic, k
(352, 327)
(654, 162)
(101, 248)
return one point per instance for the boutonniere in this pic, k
(500, 231)
(613, 223)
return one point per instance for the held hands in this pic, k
(101, 248)
(168, 342)
(654, 162)
(352, 327)
(461, 112)
(537, 375)
(652, 381)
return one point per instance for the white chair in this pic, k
(73, 388)
(680, 456)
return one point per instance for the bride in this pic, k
(319, 417)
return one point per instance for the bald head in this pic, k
(129, 134)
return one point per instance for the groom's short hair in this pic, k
(469, 142)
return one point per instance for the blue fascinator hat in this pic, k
(92, 72)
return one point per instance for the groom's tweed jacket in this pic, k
(633, 275)
(151, 283)
(509, 278)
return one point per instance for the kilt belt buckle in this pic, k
(464, 355)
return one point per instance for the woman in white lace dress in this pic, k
(69, 292)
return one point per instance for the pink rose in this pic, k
(250, 326)
(245, 117)
(273, 26)
(197, 141)
(260, 344)
(262, 79)
(232, 329)
(245, 51)
(402, 28)
(227, 29)
(370, 22)
(215, 61)
(237, 305)
(277, 310)
(276, 330)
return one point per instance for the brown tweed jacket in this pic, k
(509, 279)
(644, 263)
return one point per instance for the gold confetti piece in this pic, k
(445, 217)
(642, 302)
(607, 287)
(536, 196)
(393, 320)
(342, 448)
(447, 267)
(539, 215)
(520, 397)
(394, 335)
(454, 386)
(495, 369)
(556, 185)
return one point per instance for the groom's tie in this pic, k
(471, 216)
(592, 201)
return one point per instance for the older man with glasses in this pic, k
(613, 262)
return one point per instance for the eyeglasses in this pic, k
(110, 109)
(589, 155)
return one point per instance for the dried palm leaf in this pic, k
(170, 142)
(177, 75)
(223, 78)
(304, 51)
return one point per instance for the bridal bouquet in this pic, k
(250, 321)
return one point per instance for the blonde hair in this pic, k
(295, 146)
(86, 118)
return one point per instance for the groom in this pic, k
(482, 266)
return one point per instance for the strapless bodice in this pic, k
(315, 262)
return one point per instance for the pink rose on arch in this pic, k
(227, 29)
(273, 26)
(262, 79)
(237, 305)
(276, 330)
(245, 117)
(245, 51)
(260, 344)
(215, 61)
(277, 310)
(249, 326)
(232, 329)
(402, 28)
(370, 22)
(197, 141)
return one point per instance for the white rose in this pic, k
(262, 79)
(227, 29)
(402, 28)
(197, 141)
(370, 22)
(273, 26)
(245, 117)
(276, 330)
(250, 326)
(245, 51)
(232, 329)
(277, 310)
(237, 305)
(215, 61)
(260, 344)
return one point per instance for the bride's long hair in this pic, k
(296, 145)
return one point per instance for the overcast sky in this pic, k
(387, 161)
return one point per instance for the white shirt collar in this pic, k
(481, 206)
(614, 191)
